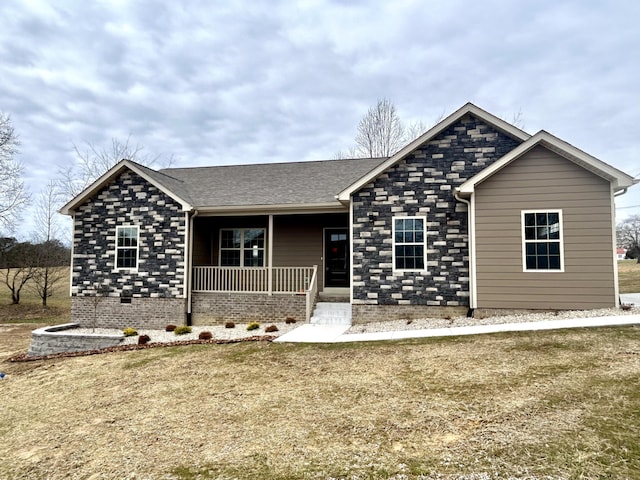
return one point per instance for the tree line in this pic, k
(41, 266)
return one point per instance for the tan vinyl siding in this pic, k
(542, 180)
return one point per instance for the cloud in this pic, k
(276, 81)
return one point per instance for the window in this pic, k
(409, 243)
(542, 240)
(242, 247)
(127, 247)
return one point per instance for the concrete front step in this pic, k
(332, 313)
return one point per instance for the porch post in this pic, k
(270, 256)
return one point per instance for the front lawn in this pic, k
(523, 405)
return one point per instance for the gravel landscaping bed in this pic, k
(219, 332)
(240, 331)
(427, 323)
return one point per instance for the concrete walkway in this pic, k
(308, 333)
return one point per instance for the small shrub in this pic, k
(229, 325)
(205, 336)
(182, 330)
(142, 339)
(289, 320)
(129, 332)
(253, 326)
(170, 328)
(271, 328)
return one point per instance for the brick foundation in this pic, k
(362, 314)
(140, 313)
(215, 308)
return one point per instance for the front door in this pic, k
(336, 257)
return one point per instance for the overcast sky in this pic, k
(215, 82)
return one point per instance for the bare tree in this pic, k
(51, 260)
(52, 256)
(13, 196)
(628, 236)
(17, 262)
(380, 131)
(100, 291)
(46, 216)
(517, 119)
(93, 161)
(351, 152)
(414, 130)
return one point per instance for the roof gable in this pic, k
(430, 134)
(163, 182)
(618, 179)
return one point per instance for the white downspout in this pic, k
(614, 240)
(73, 234)
(471, 221)
(350, 251)
(189, 258)
(270, 255)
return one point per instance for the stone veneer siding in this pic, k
(211, 308)
(156, 288)
(422, 184)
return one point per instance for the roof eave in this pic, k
(468, 108)
(318, 207)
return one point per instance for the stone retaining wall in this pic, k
(61, 339)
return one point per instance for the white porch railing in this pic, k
(253, 279)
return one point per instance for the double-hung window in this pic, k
(542, 240)
(242, 247)
(127, 247)
(409, 247)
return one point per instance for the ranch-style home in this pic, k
(475, 214)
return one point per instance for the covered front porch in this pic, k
(266, 267)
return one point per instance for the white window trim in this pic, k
(524, 241)
(116, 268)
(242, 248)
(393, 244)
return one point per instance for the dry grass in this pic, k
(564, 404)
(629, 276)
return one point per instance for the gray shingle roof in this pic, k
(296, 183)
(171, 183)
